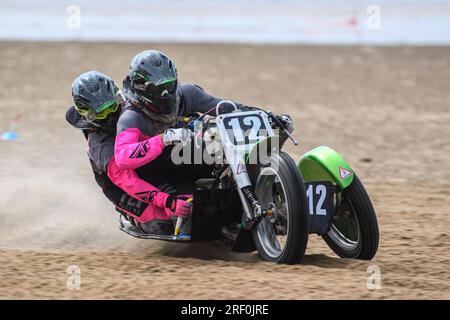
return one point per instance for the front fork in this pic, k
(253, 210)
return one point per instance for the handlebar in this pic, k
(282, 126)
(193, 118)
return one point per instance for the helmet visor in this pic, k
(161, 91)
(99, 113)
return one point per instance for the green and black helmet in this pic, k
(96, 98)
(154, 80)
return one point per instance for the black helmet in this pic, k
(153, 78)
(95, 98)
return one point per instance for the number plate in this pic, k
(245, 128)
(320, 203)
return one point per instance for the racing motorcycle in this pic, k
(259, 198)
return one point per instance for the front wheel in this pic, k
(354, 229)
(283, 236)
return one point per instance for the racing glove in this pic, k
(178, 206)
(175, 136)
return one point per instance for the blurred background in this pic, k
(367, 78)
(236, 21)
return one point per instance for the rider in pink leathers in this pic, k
(149, 127)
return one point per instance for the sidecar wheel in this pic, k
(354, 231)
(282, 237)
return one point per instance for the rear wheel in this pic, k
(283, 236)
(354, 229)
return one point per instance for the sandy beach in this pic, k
(385, 109)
